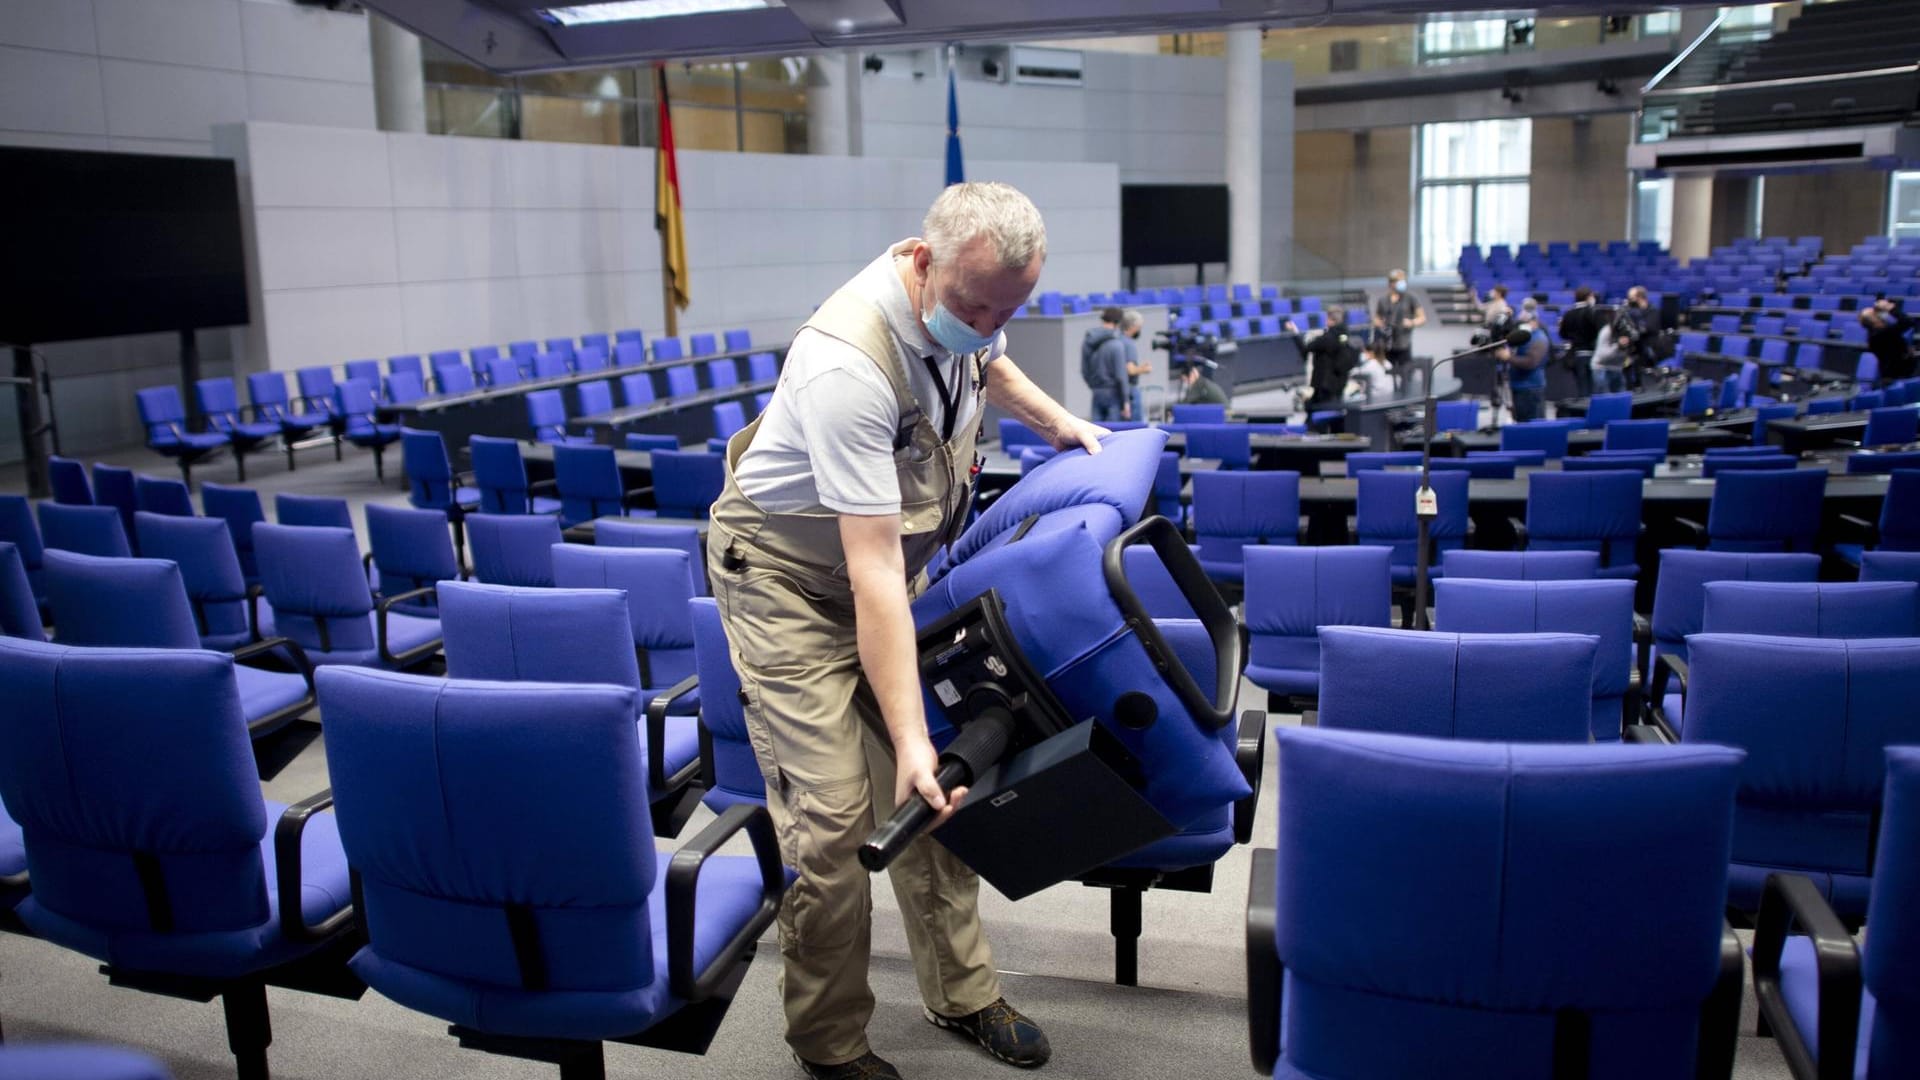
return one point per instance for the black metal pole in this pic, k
(1425, 509)
(33, 426)
(189, 375)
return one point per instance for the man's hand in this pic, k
(913, 771)
(1126, 412)
(1071, 431)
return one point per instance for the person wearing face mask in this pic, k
(1395, 315)
(1130, 323)
(836, 498)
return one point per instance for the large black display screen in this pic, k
(1173, 224)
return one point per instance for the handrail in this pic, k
(1797, 80)
(1711, 29)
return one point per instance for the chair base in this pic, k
(689, 1031)
(1129, 888)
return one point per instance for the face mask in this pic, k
(1399, 286)
(951, 332)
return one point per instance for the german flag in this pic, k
(666, 201)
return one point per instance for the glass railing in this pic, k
(1317, 52)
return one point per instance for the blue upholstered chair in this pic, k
(433, 485)
(1890, 566)
(1764, 510)
(76, 1061)
(1892, 426)
(1604, 409)
(1814, 716)
(1636, 435)
(577, 635)
(728, 417)
(739, 340)
(1680, 601)
(1477, 468)
(1547, 436)
(1014, 434)
(1899, 524)
(319, 397)
(596, 398)
(514, 549)
(149, 843)
(1645, 464)
(547, 415)
(1371, 460)
(324, 511)
(1510, 846)
(562, 933)
(702, 345)
(1167, 489)
(367, 371)
(1524, 458)
(313, 577)
(1384, 515)
(220, 404)
(1462, 414)
(240, 508)
(18, 528)
(1835, 1012)
(1885, 461)
(1147, 575)
(1234, 510)
(551, 364)
(504, 371)
(453, 379)
(165, 418)
(668, 348)
(644, 441)
(762, 367)
(405, 386)
(500, 475)
(682, 381)
(1696, 399)
(1603, 609)
(661, 629)
(590, 358)
(225, 610)
(589, 485)
(1715, 464)
(267, 390)
(162, 495)
(19, 606)
(731, 773)
(651, 534)
(685, 483)
(143, 604)
(1522, 565)
(1229, 444)
(88, 530)
(722, 373)
(1199, 414)
(1501, 687)
(1765, 414)
(412, 553)
(1586, 511)
(636, 388)
(69, 481)
(1291, 592)
(1832, 609)
(360, 425)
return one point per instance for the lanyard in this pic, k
(949, 398)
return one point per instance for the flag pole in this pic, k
(667, 214)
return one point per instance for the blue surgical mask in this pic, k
(1399, 286)
(952, 332)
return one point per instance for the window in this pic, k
(1653, 211)
(1655, 23)
(1451, 39)
(1903, 206)
(1472, 188)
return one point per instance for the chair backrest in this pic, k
(162, 495)
(1900, 512)
(1548, 436)
(523, 350)
(1893, 948)
(402, 750)
(1696, 398)
(1384, 511)
(702, 344)
(1502, 687)
(738, 340)
(1231, 444)
(636, 388)
(518, 634)
(1766, 510)
(356, 403)
(514, 548)
(1462, 414)
(162, 413)
(411, 547)
(267, 390)
(1604, 409)
(667, 348)
(728, 418)
(239, 507)
(429, 472)
(69, 480)
(316, 388)
(209, 568)
(1713, 465)
(1232, 509)
(723, 373)
(1815, 717)
(19, 610)
(1603, 609)
(639, 440)
(1893, 425)
(1838, 609)
(590, 358)
(404, 386)
(615, 532)
(1505, 842)
(595, 397)
(500, 474)
(124, 602)
(629, 353)
(87, 530)
(1636, 435)
(17, 527)
(762, 367)
(682, 381)
(1368, 460)
(311, 573)
(562, 345)
(550, 364)
(686, 482)
(326, 511)
(589, 481)
(547, 415)
(1522, 565)
(366, 371)
(1680, 593)
(1199, 414)
(1764, 414)
(503, 371)
(1477, 468)
(453, 379)
(1292, 592)
(1585, 511)
(1147, 575)
(658, 584)
(1883, 461)
(123, 758)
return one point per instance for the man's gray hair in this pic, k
(999, 212)
(1131, 320)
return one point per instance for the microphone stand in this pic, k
(1426, 506)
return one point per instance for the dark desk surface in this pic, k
(1645, 403)
(634, 414)
(1729, 429)
(1814, 432)
(1341, 489)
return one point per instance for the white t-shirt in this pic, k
(825, 444)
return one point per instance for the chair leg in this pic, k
(379, 463)
(589, 1064)
(240, 464)
(459, 540)
(1125, 920)
(248, 1031)
(336, 448)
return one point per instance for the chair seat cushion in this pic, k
(13, 846)
(226, 953)
(263, 693)
(404, 632)
(728, 894)
(193, 440)
(544, 505)
(256, 430)
(466, 498)
(1845, 893)
(77, 1063)
(1276, 680)
(683, 743)
(301, 421)
(1800, 987)
(1199, 844)
(1622, 570)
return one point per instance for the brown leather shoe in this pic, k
(868, 1066)
(1002, 1031)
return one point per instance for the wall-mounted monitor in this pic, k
(1173, 224)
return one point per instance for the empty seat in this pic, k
(1680, 597)
(547, 415)
(1769, 509)
(1548, 436)
(69, 481)
(648, 534)
(431, 482)
(87, 530)
(1199, 414)
(1234, 510)
(113, 486)
(1586, 511)
(220, 404)
(1636, 435)
(413, 553)
(1384, 514)
(1522, 565)
(162, 495)
(500, 475)
(667, 349)
(1890, 426)
(1229, 444)
(1291, 593)
(682, 381)
(1604, 409)
(1603, 609)
(1501, 687)
(165, 420)
(589, 484)
(734, 776)
(636, 389)
(267, 390)
(685, 483)
(722, 373)
(19, 607)
(225, 612)
(317, 585)
(453, 380)
(738, 340)
(362, 426)
(514, 549)
(551, 364)
(322, 510)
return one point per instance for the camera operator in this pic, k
(1130, 323)
(1887, 328)
(1526, 354)
(1609, 362)
(1197, 389)
(1580, 329)
(1633, 332)
(1394, 318)
(1103, 365)
(1497, 315)
(1331, 359)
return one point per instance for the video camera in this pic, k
(1189, 345)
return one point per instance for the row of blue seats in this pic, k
(1222, 310)
(548, 415)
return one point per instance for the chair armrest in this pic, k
(1719, 1032)
(1657, 693)
(709, 769)
(683, 878)
(1696, 531)
(287, 645)
(657, 708)
(1250, 754)
(1642, 647)
(639, 496)
(286, 872)
(254, 593)
(544, 485)
(1265, 976)
(1786, 900)
(1867, 531)
(1519, 533)
(380, 611)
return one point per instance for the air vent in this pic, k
(1046, 67)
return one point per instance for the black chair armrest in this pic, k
(1642, 647)
(418, 652)
(1657, 693)
(1519, 533)
(640, 496)
(683, 879)
(709, 769)
(544, 485)
(1868, 532)
(1265, 976)
(1790, 899)
(1250, 753)
(1719, 1032)
(254, 593)
(1696, 532)
(295, 653)
(657, 707)
(286, 872)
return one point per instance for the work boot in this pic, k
(1002, 1031)
(868, 1066)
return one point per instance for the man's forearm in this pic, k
(883, 629)
(1009, 390)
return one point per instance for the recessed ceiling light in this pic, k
(629, 10)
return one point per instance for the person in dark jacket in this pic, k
(1103, 364)
(1331, 359)
(1887, 328)
(1580, 329)
(1197, 389)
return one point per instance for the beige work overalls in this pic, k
(780, 581)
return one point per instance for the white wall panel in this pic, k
(51, 92)
(196, 33)
(167, 101)
(314, 247)
(308, 101)
(305, 41)
(36, 24)
(455, 244)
